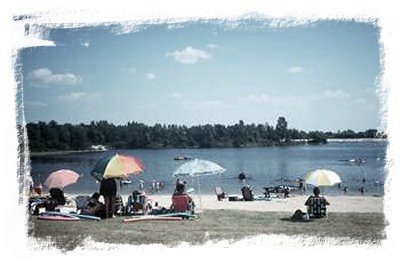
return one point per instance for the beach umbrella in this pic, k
(117, 166)
(322, 177)
(197, 168)
(61, 178)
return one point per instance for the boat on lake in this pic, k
(182, 158)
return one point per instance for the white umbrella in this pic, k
(197, 168)
(322, 177)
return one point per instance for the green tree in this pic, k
(281, 129)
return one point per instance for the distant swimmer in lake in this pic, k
(242, 176)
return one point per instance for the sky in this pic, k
(319, 76)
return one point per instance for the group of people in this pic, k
(361, 189)
(56, 197)
(181, 200)
(92, 206)
(105, 208)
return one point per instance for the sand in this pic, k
(350, 219)
(355, 204)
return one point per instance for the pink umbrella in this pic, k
(61, 178)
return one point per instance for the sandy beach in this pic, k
(356, 204)
(350, 219)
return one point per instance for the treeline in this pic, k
(52, 136)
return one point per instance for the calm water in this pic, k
(264, 166)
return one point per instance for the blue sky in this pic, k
(320, 76)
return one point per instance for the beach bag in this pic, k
(299, 215)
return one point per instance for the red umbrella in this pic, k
(61, 178)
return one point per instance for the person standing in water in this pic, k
(242, 176)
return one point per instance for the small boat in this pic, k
(126, 181)
(180, 158)
(356, 161)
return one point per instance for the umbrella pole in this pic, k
(198, 188)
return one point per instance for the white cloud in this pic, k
(45, 77)
(189, 55)
(78, 95)
(35, 103)
(151, 76)
(212, 46)
(176, 95)
(335, 94)
(295, 69)
(73, 96)
(258, 99)
(86, 44)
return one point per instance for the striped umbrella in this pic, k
(322, 177)
(117, 166)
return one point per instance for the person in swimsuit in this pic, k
(108, 189)
(94, 206)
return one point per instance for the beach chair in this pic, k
(119, 205)
(247, 193)
(181, 203)
(316, 207)
(138, 202)
(220, 193)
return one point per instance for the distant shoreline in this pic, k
(63, 152)
(66, 152)
(349, 140)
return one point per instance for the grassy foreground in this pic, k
(366, 228)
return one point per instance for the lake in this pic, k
(264, 166)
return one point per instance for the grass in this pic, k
(215, 225)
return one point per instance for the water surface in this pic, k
(264, 166)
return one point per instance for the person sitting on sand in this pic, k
(178, 185)
(94, 206)
(38, 189)
(50, 203)
(316, 204)
(56, 198)
(178, 196)
(247, 193)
